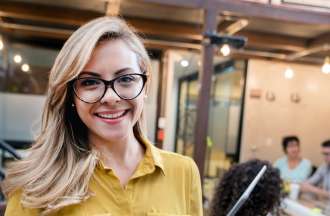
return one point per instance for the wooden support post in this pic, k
(205, 80)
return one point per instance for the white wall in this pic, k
(266, 122)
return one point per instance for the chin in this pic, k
(113, 135)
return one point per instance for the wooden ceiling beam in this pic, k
(21, 31)
(272, 41)
(167, 29)
(182, 3)
(76, 18)
(224, 24)
(319, 40)
(177, 31)
(33, 31)
(235, 27)
(151, 28)
(259, 10)
(309, 51)
(44, 13)
(287, 14)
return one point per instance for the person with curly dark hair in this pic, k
(265, 197)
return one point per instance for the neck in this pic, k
(294, 158)
(118, 151)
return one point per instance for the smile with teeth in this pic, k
(112, 115)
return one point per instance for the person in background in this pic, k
(92, 156)
(264, 199)
(319, 182)
(293, 168)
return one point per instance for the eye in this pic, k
(89, 82)
(126, 79)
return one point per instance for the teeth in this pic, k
(111, 116)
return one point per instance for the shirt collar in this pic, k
(152, 154)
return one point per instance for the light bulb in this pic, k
(25, 67)
(225, 50)
(17, 58)
(288, 73)
(184, 63)
(326, 66)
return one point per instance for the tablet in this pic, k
(247, 192)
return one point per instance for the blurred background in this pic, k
(277, 85)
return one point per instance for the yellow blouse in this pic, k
(164, 184)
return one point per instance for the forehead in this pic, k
(111, 56)
(292, 143)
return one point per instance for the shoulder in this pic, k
(306, 162)
(182, 170)
(174, 162)
(172, 157)
(323, 168)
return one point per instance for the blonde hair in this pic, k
(61, 163)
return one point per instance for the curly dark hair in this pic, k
(264, 199)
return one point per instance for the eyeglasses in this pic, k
(92, 90)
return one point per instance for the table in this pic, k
(302, 207)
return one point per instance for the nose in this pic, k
(110, 96)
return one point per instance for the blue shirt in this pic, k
(298, 174)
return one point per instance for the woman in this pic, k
(292, 167)
(92, 157)
(265, 198)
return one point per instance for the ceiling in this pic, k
(300, 30)
(166, 26)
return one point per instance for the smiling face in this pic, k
(111, 118)
(292, 149)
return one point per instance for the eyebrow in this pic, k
(118, 72)
(89, 73)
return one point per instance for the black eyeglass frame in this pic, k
(110, 83)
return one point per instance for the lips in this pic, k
(111, 114)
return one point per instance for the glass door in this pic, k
(224, 119)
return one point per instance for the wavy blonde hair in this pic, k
(61, 163)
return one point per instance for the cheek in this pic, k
(291, 150)
(294, 151)
(82, 109)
